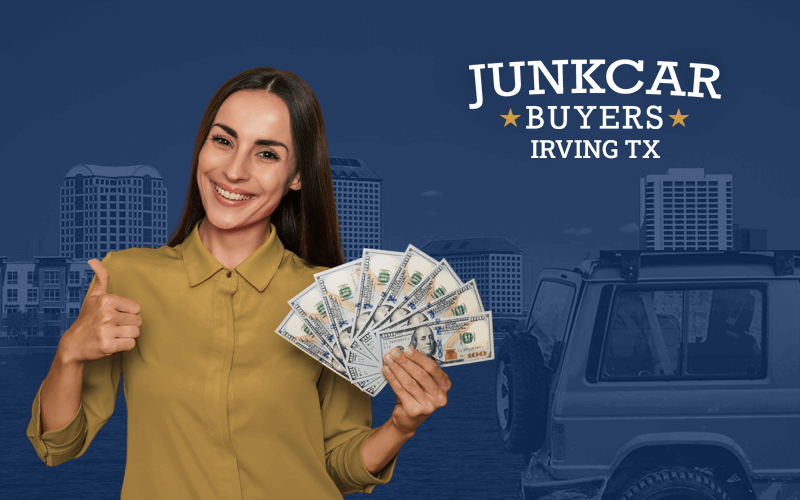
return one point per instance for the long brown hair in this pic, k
(305, 219)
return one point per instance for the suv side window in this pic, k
(725, 334)
(685, 333)
(548, 318)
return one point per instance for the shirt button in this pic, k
(228, 274)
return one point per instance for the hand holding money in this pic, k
(355, 314)
(419, 384)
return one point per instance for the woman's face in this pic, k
(249, 154)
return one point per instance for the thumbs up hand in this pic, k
(107, 323)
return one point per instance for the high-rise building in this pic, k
(685, 209)
(112, 208)
(494, 263)
(357, 189)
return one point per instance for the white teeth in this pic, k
(231, 196)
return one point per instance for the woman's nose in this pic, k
(237, 168)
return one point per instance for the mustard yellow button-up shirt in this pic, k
(219, 405)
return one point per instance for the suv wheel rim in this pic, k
(503, 395)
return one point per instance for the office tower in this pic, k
(685, 209)
(112, 208)
(494, 263)
(357, 189)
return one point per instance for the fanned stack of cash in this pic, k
(354, 314)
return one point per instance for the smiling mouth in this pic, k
(231, 196)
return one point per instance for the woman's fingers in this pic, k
(127, 319)
(126, 331)
(432, 367)
(410, 361)
(419, 383)
(442, 379)
(124, 344)
(406, 381)
(403, 396)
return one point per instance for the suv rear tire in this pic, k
(675, 482)
(522, 394)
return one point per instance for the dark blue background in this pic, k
(111, 84)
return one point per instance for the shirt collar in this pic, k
(258, 269)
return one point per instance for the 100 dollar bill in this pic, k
(309, 307)
(449, 341)
(367, 347)
(372, 386)
(463, 300)
(338, 289)
(297, 332)
(377, 268)
(438, 283)
(410, 272)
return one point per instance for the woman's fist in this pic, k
(420, 385)
(106, 324)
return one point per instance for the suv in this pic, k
(644, 375)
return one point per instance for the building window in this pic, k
(52, 295)
(11, 294)
(51, 277)
(33, 294)
(74, 277)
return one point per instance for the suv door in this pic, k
(552, 311)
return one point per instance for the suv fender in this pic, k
(682, 439)
(715, 454)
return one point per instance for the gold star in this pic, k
(678, 118)
(510, 118)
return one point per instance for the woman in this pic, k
(219, 406)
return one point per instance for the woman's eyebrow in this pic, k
(227, 129)
(259, 142)
(270, 142)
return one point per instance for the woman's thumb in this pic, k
(101, 277)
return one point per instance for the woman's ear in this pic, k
(295, 185)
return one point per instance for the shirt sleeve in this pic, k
(347, 422)
(99, 390)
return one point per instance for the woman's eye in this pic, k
(221, 140)
(268, 154)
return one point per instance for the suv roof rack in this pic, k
(629, 262)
